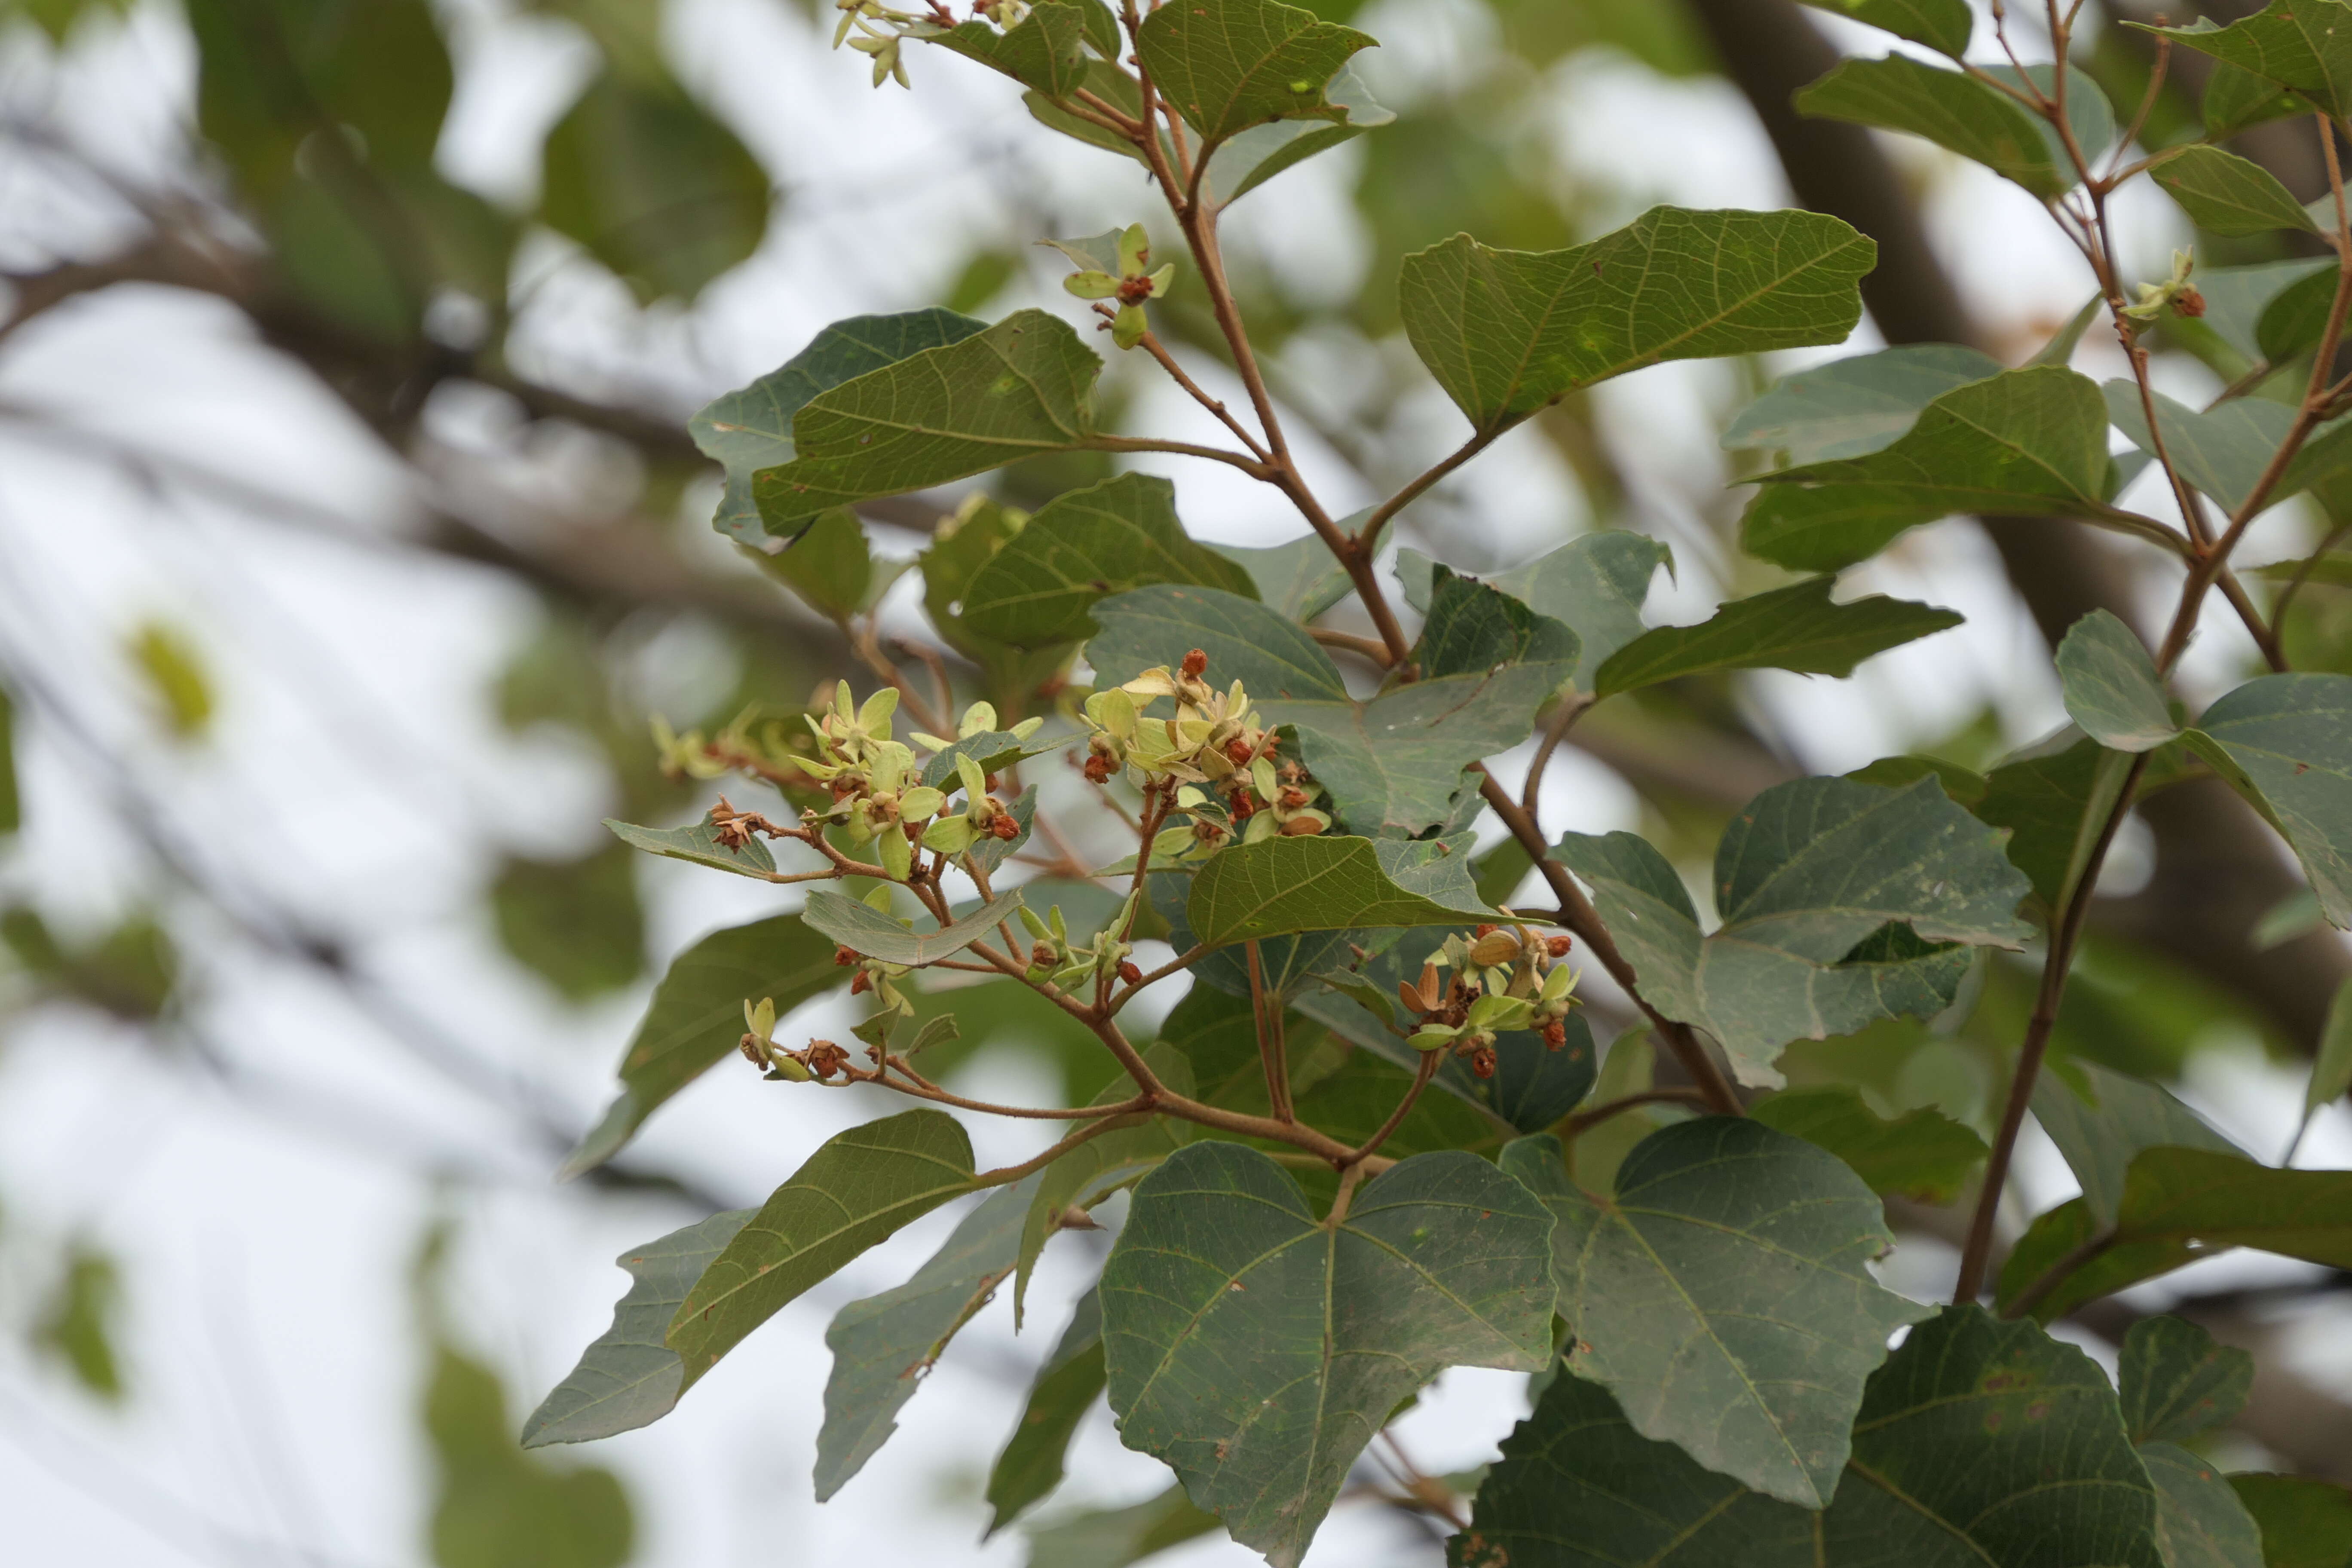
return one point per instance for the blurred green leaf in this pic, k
(1065, 1389)
(1078, 548)
(76, 1324)
(695, 1017)
(1117, 1537)
(1922, 1156)
(2331, 1071)
(1955, 111)
(653, 186)
(497, 1507)
(2305, 1524)
(11, 810)
(830, 565)
(575, 923)
(1942, 25)
(1798, 627)
(176, 681)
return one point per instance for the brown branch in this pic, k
(1422, 1073)
(1583, 1121)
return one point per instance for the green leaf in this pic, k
(1031, 1465)
(2179, 1204)
(2305, 44)
(861, 926)
(2237, 297)
(2237, 99)
(1256, 1351)
(1227, 64)
(1595, 586)
(1812, 880)
(2045, 803)
(1045, 50)
(2285, 742)
(1115, 1537)
(495, 1506)
(2199, 1523)
(1473, 628)
(80, 1319)
(2331, 569)
(2178, 1384)
(575, 923)
(699, 842)
(172, 668)
(1507, 332)
(2291, 324)
(2026, 442)
(654, 186)
(1798, 627)
(1282, 886)
(695, 1017)
(2331, 1069)
(1956, 112)
(629, 1377)
(2111, 685)
(1963, 784)
(2224, 194)
(752, 429)
(1852, 408)
(2305, 1524)
(1942, 25)
(11, 809)
(1723, 1295)
(1922, 1156)
(1978, 1442)
(1392, 763)
(1085, 544)
(1299, 579)
(856, 1191)
(1250, 158)
(884, 1345)
(2222, 450)
(1019, 389)
(2102, 1128)
(830, 565)
(990, 750)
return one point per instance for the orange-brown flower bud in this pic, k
(1196, 663)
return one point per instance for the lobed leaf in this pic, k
(1723, 1295)
(1507, 332)
(2023, 442)
(630, 1377)
(1852, 408)
(884, 1345)
(752, 429)
(1798, 627)
(859, 925)
(1256, 1351)
(1922, 1156)
(1081, 546)
(696, 1016)
(1227, 64)
(1018, 389)
(1832, 895)
(856, 1191)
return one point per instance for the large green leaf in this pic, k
(1799, 628)
(1256, 1351)
(1031, 1465)
(2177, 1384)
(2199, 1523)
(1832, 894)
(656, 188)
(1087, 543)
(2290, 740)
(2111, 685)
(696, 1016)
(2102, 1127)
(2306, 45)
(884, 1345)
(630, 1377)
(1022, 388)
(1283, 885)
(1957, 112)
(1045, 51)
(1299, 580)
(2305, 1524)
(1978, 1443)
(2180, 1204)
(861, 926)
(1507, 332)
(1393, 764)
(856, 1191)
(1594, 585)
(1941, 24)
(1227, 64)
(2024, 442)
(2225, 193)
(1852, 408)
(752, 429)
(1724, 1295)
(1923, 1154)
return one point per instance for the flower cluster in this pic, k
(1214, 750)
(1130, 285)
(1053, 957)
(1503, 980)
(2176, 291)
(878, 796)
